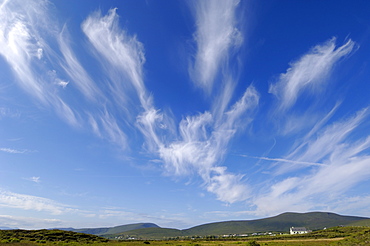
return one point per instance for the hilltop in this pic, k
(279, 223)
(115, 229)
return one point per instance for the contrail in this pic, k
(285, 160)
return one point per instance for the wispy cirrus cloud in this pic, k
(122, 58)
(196, 148)
(14, 151)
(24, 27)
(6, 112)
(202, 145)
(216, 36)
(106, 126)
(34, 179)
(74, 68)
(28, 222)
(123, 53)
(203, 139)
(310, 72)
(25, 32)
(285, 160)
(18, 44)
(317, 147)
(345, 164)
(28, 202)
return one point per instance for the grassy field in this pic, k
(338, 236)
(190, 243)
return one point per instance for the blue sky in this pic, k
(182, 112)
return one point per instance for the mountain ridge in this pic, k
(116, 229)
(278, 223)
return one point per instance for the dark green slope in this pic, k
(116, 229)
(280, 223)
(148, 233)
(360, 223)
(43, 236)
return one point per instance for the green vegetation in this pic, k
(360, 223)
(43, 236)
(116, 229)
(359, 238)
(337, 236)
(280, 223)
(147, 233)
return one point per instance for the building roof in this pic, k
(298, 229)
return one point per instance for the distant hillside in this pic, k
(7, 228)
(114, 230)
(280, 223)
(361, 223)
(147, 233)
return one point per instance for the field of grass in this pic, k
(338, 236)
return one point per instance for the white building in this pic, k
(299, 230)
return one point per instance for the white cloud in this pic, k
(124, 54)
(317, 147)
(112, 130)
(39, 53)
(62, 83)
(6, 112)
(148, 123)
(13, 151)
(23, 28)
(107, 127)
(17, 45)
(74, 69)
(285, 160)
(202, 140)
(27, 202)
(216, 35)
(227, 187)
(28, 222)
(34, 179)
(202, 145)
(309, 72)
(345, 164)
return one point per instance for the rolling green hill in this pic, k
(360, 223)
(280, 223)
(116, 229)
(147, 233)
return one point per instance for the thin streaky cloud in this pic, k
(17, 45)
(323, 143)
(320, 124)
(28, 202)
(20, 44)
(14, 151)
(215, 37)
(34, 179)
(202, 145)
(124, 53)
(74, 69)
(285, 160)
(105, 125)
(6, 112)
(310, 72)
(29, 222)
(203, 139)
(346, 164)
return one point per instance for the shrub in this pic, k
(253, 243)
